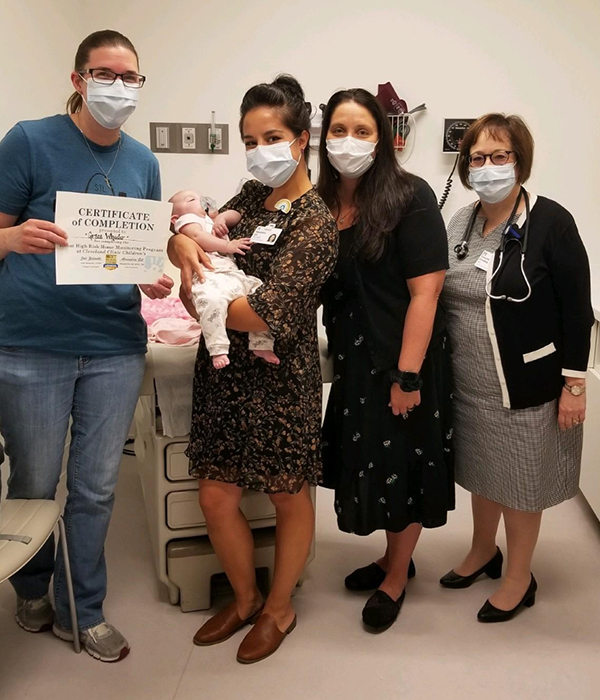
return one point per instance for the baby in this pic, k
(212, 297)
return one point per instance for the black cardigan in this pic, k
(547, 336)
(417, 246)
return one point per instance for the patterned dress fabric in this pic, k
(254, 424)
(387, 471)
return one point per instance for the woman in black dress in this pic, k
(257, 425)
(387, 432)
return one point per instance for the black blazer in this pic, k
(547, 336)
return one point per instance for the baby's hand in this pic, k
(239, 246)
(220, 228)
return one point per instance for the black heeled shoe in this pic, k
(489, 613)
(380, 611)
(493, 569)
(370, 577)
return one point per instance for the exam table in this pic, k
(184, 559)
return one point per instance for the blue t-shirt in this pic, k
(37, 159)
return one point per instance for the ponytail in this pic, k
(74, 103)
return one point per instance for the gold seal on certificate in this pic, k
(112, 240)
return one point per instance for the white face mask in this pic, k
(111, 105)
(349, 156)
(493, 183)
(272, 165)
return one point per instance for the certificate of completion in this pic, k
(112, 240)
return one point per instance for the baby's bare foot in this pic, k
(220, 361)
(267, 355)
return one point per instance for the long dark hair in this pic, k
(385, 190)
(97, 40)
(287, 96)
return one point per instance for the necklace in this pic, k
(104, 173)
(341, 218)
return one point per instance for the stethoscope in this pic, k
(462, 249)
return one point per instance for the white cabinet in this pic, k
(183, 510)
(170, 494)
(590, 466)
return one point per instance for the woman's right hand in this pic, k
(35, 236)
(187, 255)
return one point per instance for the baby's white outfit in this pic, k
(212, 297)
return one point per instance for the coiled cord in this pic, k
(448, 185)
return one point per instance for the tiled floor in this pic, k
(435, 650)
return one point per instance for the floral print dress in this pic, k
(254, 424)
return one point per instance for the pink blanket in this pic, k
(169, 323)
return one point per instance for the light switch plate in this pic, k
(162, 137)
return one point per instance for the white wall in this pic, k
(539, 59)
(37, 48)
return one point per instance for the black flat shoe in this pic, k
(489, 613)
(493, 569)
(368, 578)
(380, 611)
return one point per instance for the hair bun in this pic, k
(290, 86)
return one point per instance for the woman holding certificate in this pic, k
(71, 352)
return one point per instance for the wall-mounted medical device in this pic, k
(454, 131)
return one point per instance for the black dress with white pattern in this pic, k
(387, 471)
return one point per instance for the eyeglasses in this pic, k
(478, 160)
(103, 76)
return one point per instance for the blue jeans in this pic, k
(39, 393)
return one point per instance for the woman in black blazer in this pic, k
(517, 296)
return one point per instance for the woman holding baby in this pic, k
(256, 424)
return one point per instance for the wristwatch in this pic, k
(575, 389)
(408, 381)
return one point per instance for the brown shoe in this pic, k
(263, 640)
(223, 625)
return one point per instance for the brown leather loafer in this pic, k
(263, 640)
(223, 625)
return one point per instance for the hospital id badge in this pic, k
(266, 235)
(483, 262)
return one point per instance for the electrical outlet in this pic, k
(162, 137)
(188, 138)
